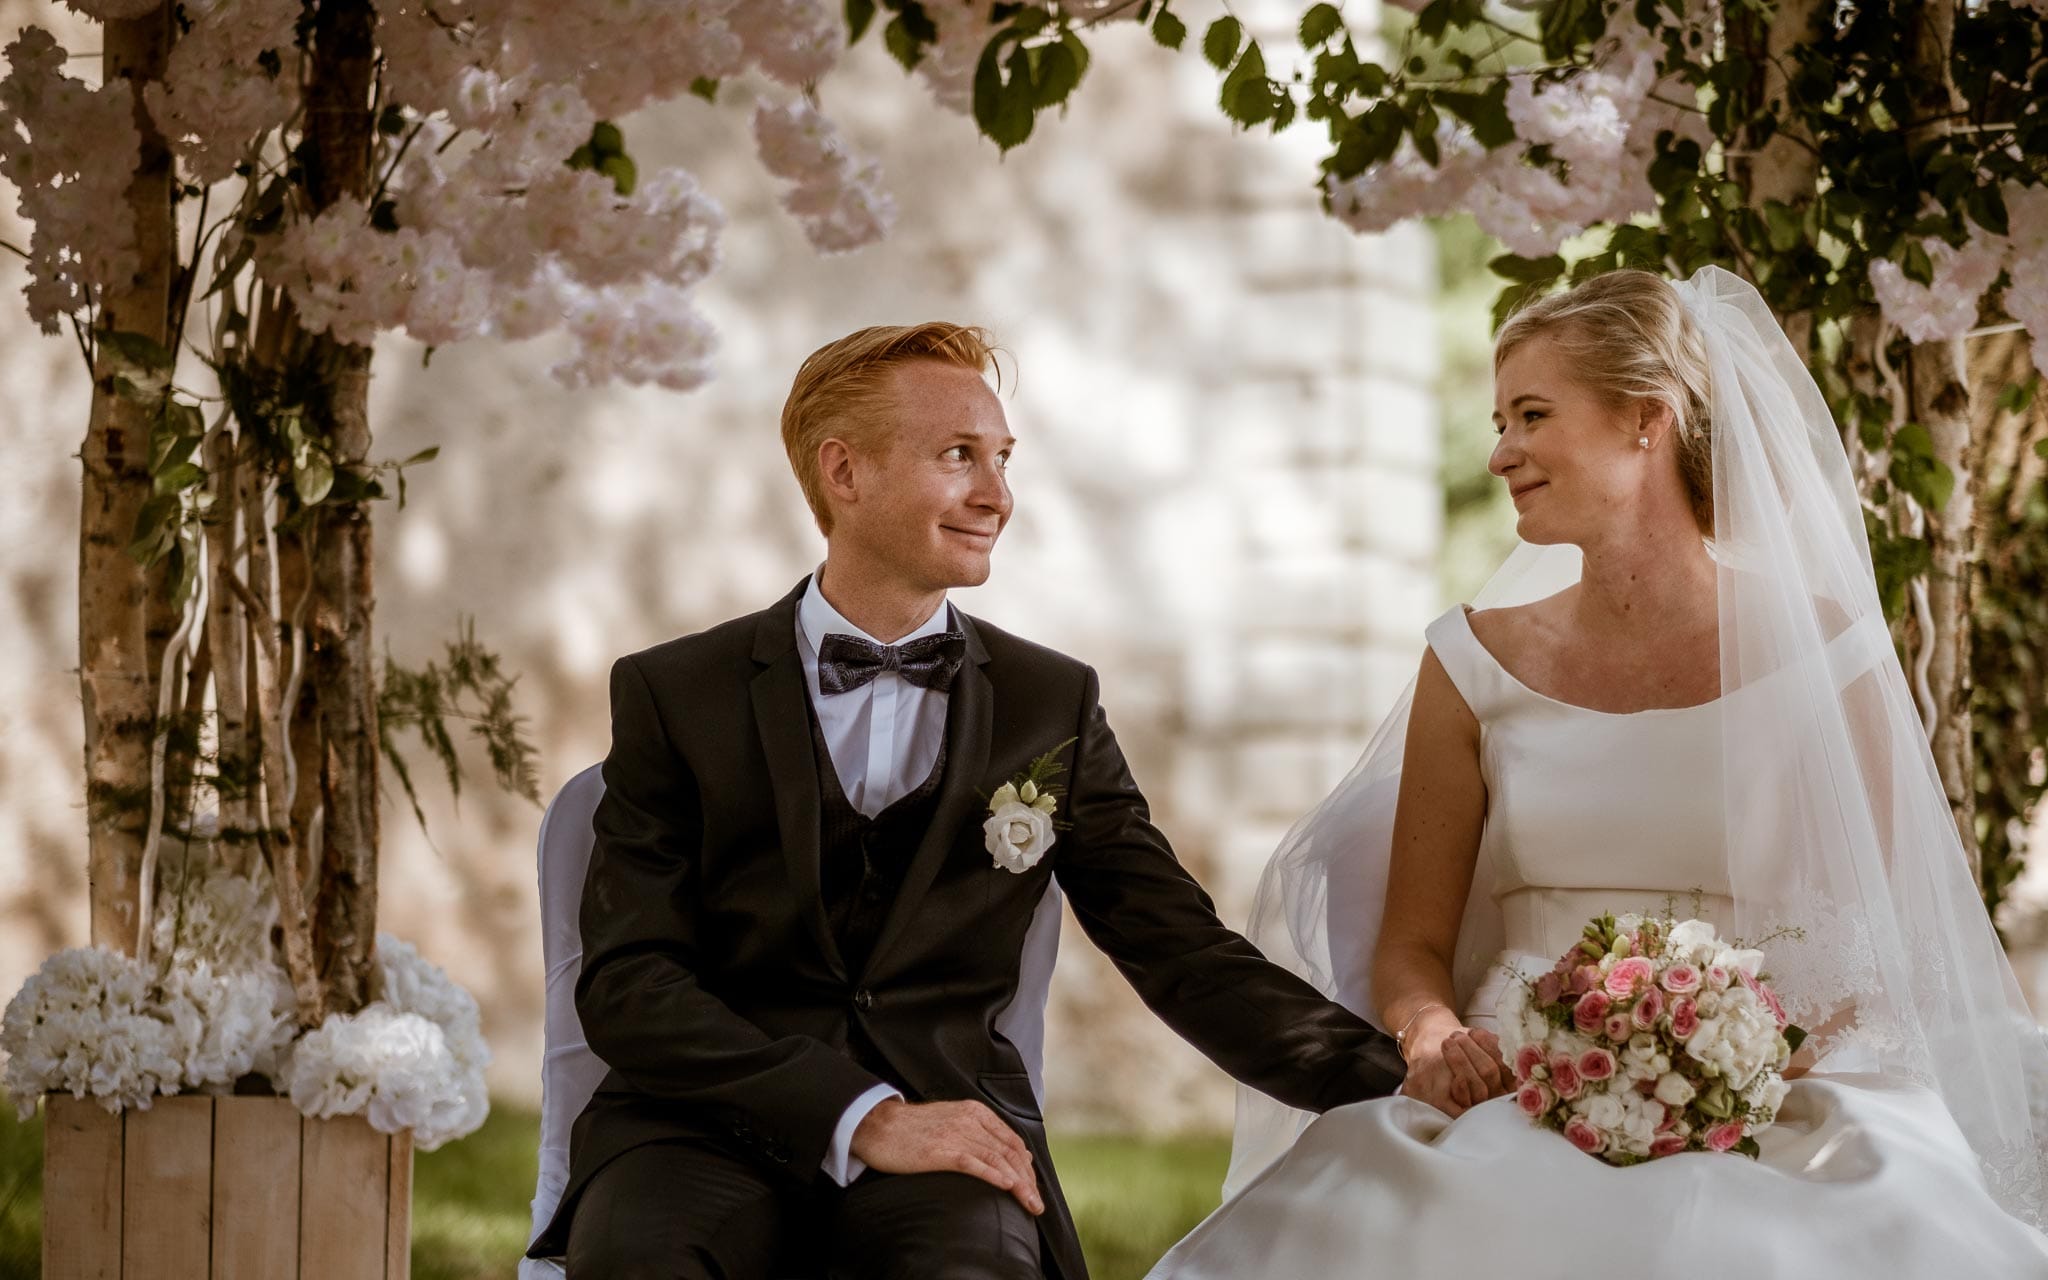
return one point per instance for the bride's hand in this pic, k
(1450, 1067)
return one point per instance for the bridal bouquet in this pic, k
(1650, 1037)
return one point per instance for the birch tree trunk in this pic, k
(116, 616)
(1939, 399)
(340, 129)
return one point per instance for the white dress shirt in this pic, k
(884, 738)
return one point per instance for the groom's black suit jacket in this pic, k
(712, 985)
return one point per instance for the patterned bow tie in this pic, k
(845, 663)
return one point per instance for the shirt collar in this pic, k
(817, 618)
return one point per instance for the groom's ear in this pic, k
(836, 471)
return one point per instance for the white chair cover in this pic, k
(570, 1072)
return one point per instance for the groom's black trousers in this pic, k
(685, 1210)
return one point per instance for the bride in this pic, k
(1678, 696)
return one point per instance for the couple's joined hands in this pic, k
(1451, 1066)
(948, 1137)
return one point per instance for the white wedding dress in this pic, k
(1592, 812)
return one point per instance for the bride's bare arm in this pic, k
(1437, 824)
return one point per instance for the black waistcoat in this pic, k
(862, 860)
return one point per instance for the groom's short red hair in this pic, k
(841, 390)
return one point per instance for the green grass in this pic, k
(21, 1194)
(1131, 1198)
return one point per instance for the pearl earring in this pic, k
(1643, 441)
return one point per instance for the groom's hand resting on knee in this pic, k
(948, 1137)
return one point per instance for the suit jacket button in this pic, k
(863, 999)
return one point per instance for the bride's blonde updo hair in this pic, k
(1625, 335)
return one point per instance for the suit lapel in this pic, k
(970, 716)
(782, 718)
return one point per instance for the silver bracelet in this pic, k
(1401, 1036)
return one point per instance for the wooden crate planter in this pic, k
(222, 1189)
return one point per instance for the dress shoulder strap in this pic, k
(1478, 677)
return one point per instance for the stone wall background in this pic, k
(1227, 502)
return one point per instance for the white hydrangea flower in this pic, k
(1695, 941)
(83, 1024)
(215, 918)
(398, 1070)
(1739, 1041)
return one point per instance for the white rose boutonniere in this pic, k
(1020, 826)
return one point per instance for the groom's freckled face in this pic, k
(937, 495)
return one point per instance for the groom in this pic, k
(796, 943)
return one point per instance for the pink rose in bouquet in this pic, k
(1589, 1011)
(1584, 1136)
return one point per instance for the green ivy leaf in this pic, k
(1221, 43)
(138, 350)
(1246, 97)
(1003, 108)
(354, 486)
(1987, 208)
(312, 475)
(1169, 30)
(1283, 109)
(859, 14)
(1521, 270)
(1028, 21)
(1058, 72)
(1560, 27)
(903, 46)
(156, 529)
(706, 88)
(168, 449)
(1916, 471)
(177, 479)
(1433, 20)
(1916, 264)
(1785, 228)
(1319, 24)
(625, 175)
(1487, 113)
